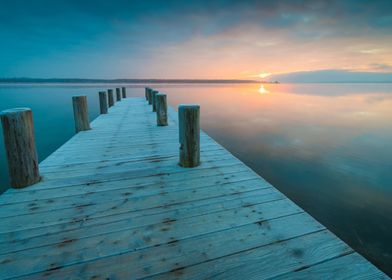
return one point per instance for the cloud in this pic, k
(381, 67)
(219, 38)
(333, 76)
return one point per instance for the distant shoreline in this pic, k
(126, 81)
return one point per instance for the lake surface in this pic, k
(328, 147)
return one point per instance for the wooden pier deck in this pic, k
(114, 204)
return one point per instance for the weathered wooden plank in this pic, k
(116, 155)
(136, 193)
(94, 209)
(42, 258)
(117, 190)
(120, 175)
(200, 175)
(182, 253)
(179, 253)
(110, 149)
(93, 226)
(80, 228)
(113, 172)
(261, 263)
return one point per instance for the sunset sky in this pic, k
(192, 39)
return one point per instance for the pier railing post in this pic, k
(149, 95)
(118, 94)
(154, 105)
(19, 140)
(124, 92)
(189, 132)
(103, 102)
(110, 97)
(146, 93)
(161, 103)
(80, 113)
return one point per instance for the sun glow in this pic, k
(264, 75)
(263, 90)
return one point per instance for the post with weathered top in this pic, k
(146, 93)
(118, 94)
(161, 103)
(18, 132)
(110, 97)
(154, 105)
(149, 95)
(103, 102)
(189, 131)
(80, 113)
(124, 92)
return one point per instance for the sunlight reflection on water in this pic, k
(263, 90)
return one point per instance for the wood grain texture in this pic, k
(153, 100)
(161, 106)
(103, 102)
(21, 151)
(114, 203)
(80, 109)
(189, 135)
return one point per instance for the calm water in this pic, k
(327, 147)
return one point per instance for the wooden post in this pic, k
(161, 104)
(111, 98)
(80, 113)
(18, 132)
(124, 92)
(154, 105)
(149, 95)
(189, 132)
(118, 94)
(146, 92)
(103, 102)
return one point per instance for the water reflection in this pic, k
(328, 147)
(263, 90)
(330, 153)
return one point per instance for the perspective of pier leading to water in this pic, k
(139, 193)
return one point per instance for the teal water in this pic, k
(328, 147)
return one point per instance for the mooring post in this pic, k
(19, 140)
(149, 95)
(103, 102)
(154, 105)
(80, 113)
(111, 97)
(124, 92)
(146, 93)
(161, 104)
(189, 132)
(118, 94)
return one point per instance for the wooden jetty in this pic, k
(114, 203)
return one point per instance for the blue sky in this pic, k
(192, 39)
